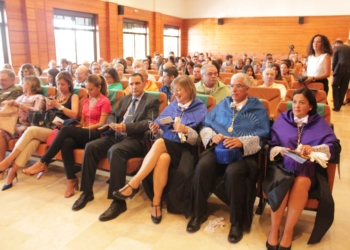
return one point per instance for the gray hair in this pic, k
(264, 72)
(204, 68)
(245, 77)
(8, 72)
(119, 65)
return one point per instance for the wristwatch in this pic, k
(61, 107)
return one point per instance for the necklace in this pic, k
(61, 98)
(300, 131)
(234, 115)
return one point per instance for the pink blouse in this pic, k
(103, 105)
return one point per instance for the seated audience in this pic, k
(51, 77)
(52, 65)
(112, 79)
(239, 64)
(248, 61)
(32, 99)
(96, 68)
(197, 73)
(124, 140)
(7, 66)
(173, 140)
(25, 70)
(137, 64)
(169, 74)
(304, 131)
(228, 63)
(72, 69)
(81, 74)
(248, 69)
(269, 78)
(94, 114)
(256, 66)
(120, 69)
(105, 65)
(276, 68)
(284, 68)
(210, 85)
(64, 64)
(8, 89)
(146, 65)
(149, 85)
(189, 68)
(65, 101)
(232, 134)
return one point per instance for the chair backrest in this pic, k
(272, 95)
(258, 77)
(285, 84)
(82, 94)
(208, 100)
(225, 75)
(152, 72)
(320, 95)
(163, 99)
(125, 83)
(288, 79)
(114, 97)
(227, 81)
(44, 79)
(159, 84)
(312, 85)
(266, 105)
(48, 91)
(322, 109)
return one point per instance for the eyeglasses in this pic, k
(237, 86)
(210, 74)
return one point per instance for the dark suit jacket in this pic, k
(147, 109)
(341, 60)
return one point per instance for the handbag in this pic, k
(52, 136)
(8, 118)
(43, 118)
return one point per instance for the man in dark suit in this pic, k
(341, 73)
(125, 140)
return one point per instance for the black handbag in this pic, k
(43, 118)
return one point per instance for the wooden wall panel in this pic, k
(261, 35)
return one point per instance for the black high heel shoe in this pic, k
(285, 248)
(270, 247)
(8, 186)
(156, 219)
(120, 196)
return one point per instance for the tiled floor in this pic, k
(35, 215)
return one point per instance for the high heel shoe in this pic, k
(284, 248)
(120, 196)
(8, 186)
(72, 185)
(270, 247)
(38, 168)
(156, 219)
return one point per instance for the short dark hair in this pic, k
(309, 95)
(171, 71)
(64, 60)
(113, 73)
(228, 57)
(136, 74)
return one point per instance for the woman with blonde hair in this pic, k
(174, 140)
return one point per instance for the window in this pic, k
(4, 57)
(171, 40)
(75, 36)
(135, 39)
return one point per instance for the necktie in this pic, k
(131, 113)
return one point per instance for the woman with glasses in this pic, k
(112, 78)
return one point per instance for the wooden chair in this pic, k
(321, 96)
(227, 81)
(48, 91)
(258, 77)
(288, 79)
(114, 97)
(82, 94)
(225, 75)
(125, 84)
(272, 95)
(152, 72)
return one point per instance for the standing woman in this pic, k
(95, 111)
(65, 101)
(25, 70)
(175, 139)
(319, 60)
(32, 99)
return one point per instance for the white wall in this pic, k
(241, 8)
